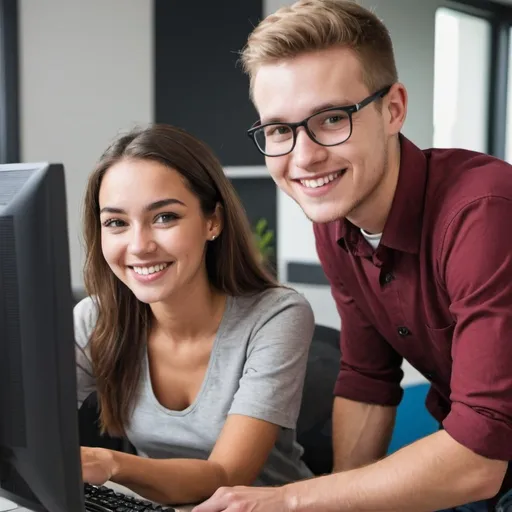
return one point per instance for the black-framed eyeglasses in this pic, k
(329, 127)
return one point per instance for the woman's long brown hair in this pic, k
(232, 263)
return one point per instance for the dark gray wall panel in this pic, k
(306, 273)
(198, 84)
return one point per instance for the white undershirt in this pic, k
(373, 240)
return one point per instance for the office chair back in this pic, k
(314, 426)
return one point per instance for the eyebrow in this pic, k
(314, 110)
(148, 208)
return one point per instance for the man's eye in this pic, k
(277, 130)
(334, 119)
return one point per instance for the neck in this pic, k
(194, 314)
(371, 215)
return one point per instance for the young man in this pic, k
(419, 263)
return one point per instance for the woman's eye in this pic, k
(165, 218)
(114, 223)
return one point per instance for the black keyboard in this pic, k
(104, 499)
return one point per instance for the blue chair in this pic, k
(413, 421)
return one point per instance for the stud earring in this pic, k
(213, 238)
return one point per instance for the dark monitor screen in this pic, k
(39, 441)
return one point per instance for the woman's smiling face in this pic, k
(153, 230)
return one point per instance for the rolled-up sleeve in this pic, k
(476, 265)
(370, 368)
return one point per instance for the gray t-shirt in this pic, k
(256, 368)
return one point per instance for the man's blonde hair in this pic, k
(311, 25)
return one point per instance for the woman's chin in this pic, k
(150, 298)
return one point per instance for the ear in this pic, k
(395, 108)
(216, 222)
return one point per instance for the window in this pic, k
(461, 80)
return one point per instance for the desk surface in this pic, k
(116, 487)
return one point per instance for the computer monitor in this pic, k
(39, 440)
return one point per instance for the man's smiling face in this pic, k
(327, 182)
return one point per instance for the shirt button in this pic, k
(388, 278)
(403, 331)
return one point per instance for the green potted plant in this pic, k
(264, 239)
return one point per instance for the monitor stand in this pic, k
(6, 505)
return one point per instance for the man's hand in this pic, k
(433, 473)
(98, 465)
(246, 499)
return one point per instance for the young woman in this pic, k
(198, 357)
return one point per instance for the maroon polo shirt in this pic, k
(437, 292)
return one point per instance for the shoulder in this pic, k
(458, 177)
(85, 316)
(281, 304)
(460, 182)
(277, 298)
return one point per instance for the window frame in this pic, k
(9, 83)
(500, 18)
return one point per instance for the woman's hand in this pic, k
(98, 465)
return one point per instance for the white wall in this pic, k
(86, 72)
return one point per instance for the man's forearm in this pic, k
(361, 433)
(431, 474)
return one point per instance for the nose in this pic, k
(141, 241)
(306, 151)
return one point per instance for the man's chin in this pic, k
(323, 215)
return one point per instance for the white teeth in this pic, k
(320, 181)
(144, 271)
